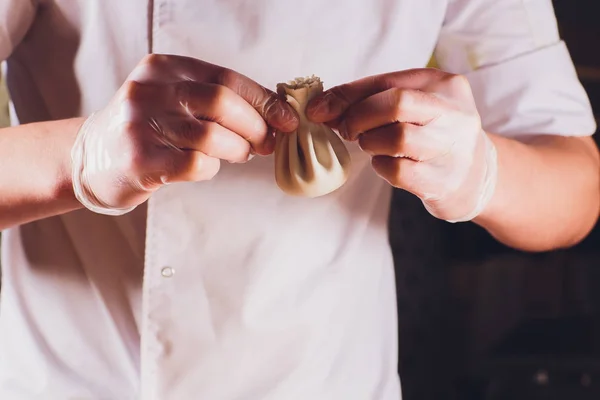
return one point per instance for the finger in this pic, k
(139, 98)
(273, 108)
(335, 101)
(407, 174)
(221, 105)
(182, 166)
(171, 68)
(210, 138)
(390, 106)
(399, 140)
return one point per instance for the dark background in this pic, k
(478, 320)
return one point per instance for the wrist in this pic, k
(500, 200)
(83, 154)
(486, 174)
(62, 188)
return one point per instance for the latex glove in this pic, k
(173, 120)
(424, 134)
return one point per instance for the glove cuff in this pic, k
(489, 182)
(79, 176)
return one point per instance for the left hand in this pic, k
(424, 134)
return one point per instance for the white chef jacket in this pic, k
(230, 289)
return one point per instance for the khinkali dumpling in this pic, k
(313, 160)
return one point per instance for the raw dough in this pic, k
(312, 161)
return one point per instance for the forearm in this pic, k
(547, 195)
(35, 173)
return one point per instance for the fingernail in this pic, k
(318, 107)
(269, 144)
(327, 107)
(343, 130)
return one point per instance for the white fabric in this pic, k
(272, 297)
(15, 18)
(522, 76)
(532, 85)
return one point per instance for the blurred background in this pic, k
(478, 321)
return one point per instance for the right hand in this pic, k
(173, 120)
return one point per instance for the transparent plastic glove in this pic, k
(424, 134)
(312, 161)
(173, 120)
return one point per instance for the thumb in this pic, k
(328, 106)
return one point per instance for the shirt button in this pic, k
(167, 272)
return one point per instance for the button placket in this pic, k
(159, 273)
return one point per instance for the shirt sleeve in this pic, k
(16, 17)
(521, 73)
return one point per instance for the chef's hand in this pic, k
(173, 120)
(424, 134)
